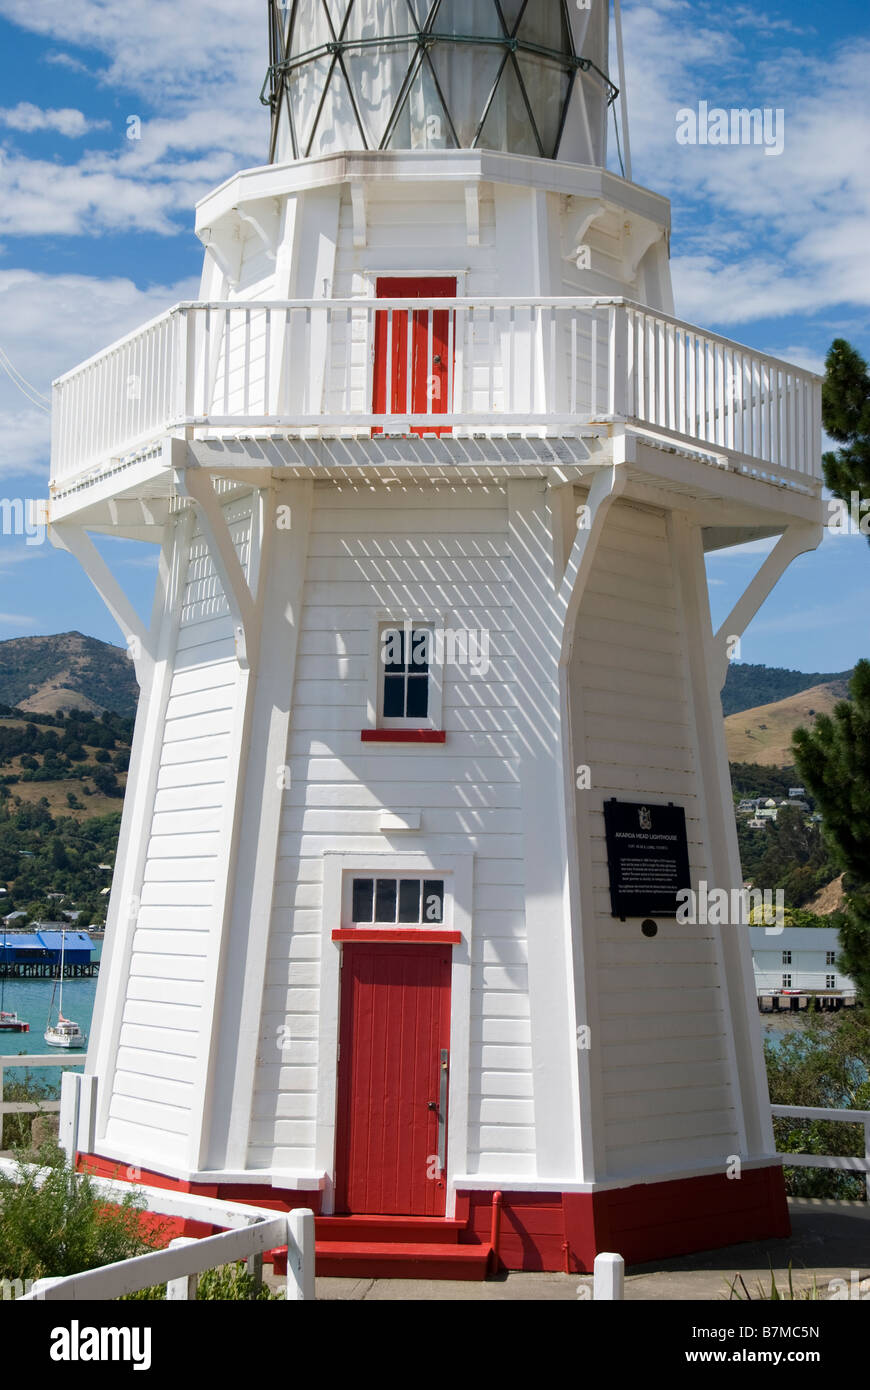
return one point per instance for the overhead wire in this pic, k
(24, 386)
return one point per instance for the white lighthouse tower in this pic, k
(429, 737)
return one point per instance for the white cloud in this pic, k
(757, 236)
(66, 121)
(50, 323)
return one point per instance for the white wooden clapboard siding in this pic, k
(430, 550)
(662, 1051)
(153, 1088)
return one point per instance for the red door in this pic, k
(392, 1080)
(413, 369)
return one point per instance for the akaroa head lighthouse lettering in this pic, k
(411, 235)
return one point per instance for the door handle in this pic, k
(432, 1105)
(442, 1111)
(437, 359)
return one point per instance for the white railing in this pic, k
(542, 366)
(22, 1107)
(847, 1117)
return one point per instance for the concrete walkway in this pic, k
(829, 1241)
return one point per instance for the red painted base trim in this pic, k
(651, 1221)
(390, 935)
(403, 736)
(538, 1230)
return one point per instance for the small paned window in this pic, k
(786, 981)
(830, 958)
(830, 982)
(786, 957)
(393, 901)
(406, 655)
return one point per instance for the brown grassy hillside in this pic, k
(763, 735)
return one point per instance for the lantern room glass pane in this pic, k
(512, 9)
(337, 12)
(545, 26)
(306, 84)
(310, 28)
(466, 17)
(507, 126)
(422, 123)
(377, 74)
(337, 127)
(466, 74)
(547, 85)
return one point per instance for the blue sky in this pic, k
(96, 231)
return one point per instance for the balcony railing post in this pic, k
(300, 1256)
(618, 368)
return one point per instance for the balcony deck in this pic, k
(536, 369)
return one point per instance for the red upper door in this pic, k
(413, 369)
(392, 1079)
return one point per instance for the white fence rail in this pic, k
(543, 366)
(183, 1259)
(22, 1107)
(846, 1117)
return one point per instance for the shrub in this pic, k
(54, 1222)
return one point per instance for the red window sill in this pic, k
(403, 736)
(394, 934)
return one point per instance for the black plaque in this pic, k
(647, 856)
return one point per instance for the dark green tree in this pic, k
(846, 417)
(833, 759)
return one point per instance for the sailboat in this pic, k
(9, 1022)
(64, 1033)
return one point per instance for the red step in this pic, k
(400, 1260)
(393, 1230)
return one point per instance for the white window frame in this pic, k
(382, 620)
(830, 958)
(830, 982)
(786, 982)
(786, 958)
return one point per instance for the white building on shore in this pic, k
(798, 961)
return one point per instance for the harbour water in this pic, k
(31, 1000)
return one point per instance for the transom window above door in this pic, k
(393, 901)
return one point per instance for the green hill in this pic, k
(44, 675)
(748, 687)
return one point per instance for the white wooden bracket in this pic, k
(638, 235)
(196, 484)
(593, 209)
(137, 638)
(226, 248)
(359, 208)
(264, 217)
(795, 540)
(608, 484)
(472, 213)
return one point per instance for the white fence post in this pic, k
(300, 1255)
(183, 1289)
(70, 1089)
(608, 1277)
